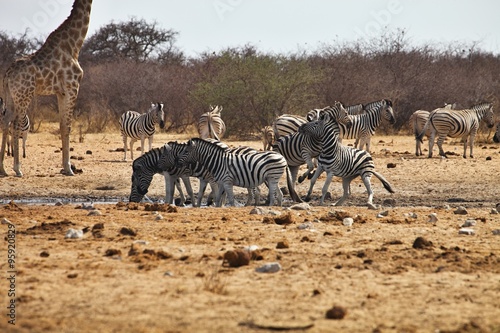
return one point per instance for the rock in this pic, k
(272, 267)
(305, 225)
(460, 211)
(494, 211)
(383, 214)
(94, 213)
(466, 231)
(391, 165)
(112, 252)
(411, 214)
(128, 231)
(44, 254)
(251, 248)
(469, 223)
(74, 234)
(236, 258)
(488, 158)
(88, 152)
(496, 232)
(283, 244)
(284, 219)
(348, 221)
(433, 218)
(421, 243)
(158, 217)
(301, 206)
(336, 312)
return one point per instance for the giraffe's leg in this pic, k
(15, 149)
(66, 103)
(5, 135)
(25, 136)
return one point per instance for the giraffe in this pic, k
(52, 70)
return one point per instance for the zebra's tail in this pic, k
(420, 136)
(384, 181)
(291, 188)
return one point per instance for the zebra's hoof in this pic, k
(301, 179)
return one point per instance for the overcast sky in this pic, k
(279, 26)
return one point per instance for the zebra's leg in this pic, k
(366, 180)
(201, 191)
(189, 189)
(317, 173)
(214, 187)
(440, 144)
(132, 141)
(326, 185)
(310, 168)
(346, 186)
(150, 141)
(431, 142)
(471, 143)
(169, 187)
(124, 138)
(178, 186)
(143, 138)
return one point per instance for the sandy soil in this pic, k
(156, 268)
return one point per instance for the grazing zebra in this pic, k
(287, 124)
(245, 170)
(299, 148)
(5, 125)
(268, 137)
(140, 126)
(417, 122)
(496, 137)
(211, 125)
(342, 161)
(143, 170)
(457, 123)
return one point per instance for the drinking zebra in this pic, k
(245, 170)
(299, 148)
(287, 124)
(342, 161)
(140, 126)
(457, 123)
(211, 125)
(5, 125)
(417, 122)
(143, 170)
(268, 137)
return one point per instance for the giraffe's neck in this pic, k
(69, 36)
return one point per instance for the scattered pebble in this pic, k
(391, 165)
(336, 312)
(421, 243)
(128, 231)
(284, 219)
(44, 254)
(466, 231)
(301, 206)
(433, 218)
(460, 211)
(411, 214)
(74, 234)
(348, 221)
(469, 223)
(159, 217)
(272, 267)
(496, 232)
(305, 225)
(494, 211)
(94, 213)
(383, 214)
(236, 258)
(283, 245)
(141, 242)
(168, 273)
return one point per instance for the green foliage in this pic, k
(254, 88)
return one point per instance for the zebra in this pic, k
(299, 148)
(5, 125)
(143, 170)
(457, 123)
(140, 126)
(211, 125)
(287, 124)
(417, 122)
(342, 161)
(245, 170)
(268, 137)
(496, 137)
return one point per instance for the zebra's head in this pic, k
(316, 127)
(186, 155)
(336, 113)
(142, 176)
(387, 111)
(158, 114)
(313, 114)
(489, 116)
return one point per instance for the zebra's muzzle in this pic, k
(162, 124)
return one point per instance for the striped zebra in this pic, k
(211, 125)
(143, 170)
(140, 126)
(299, 148)
(268, 137)
(457, 123)
(287, 124)
(496, 137)
(245, 170)
(417, 122)
(341, 161)
(5, 125)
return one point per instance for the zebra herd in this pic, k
(211, 161)
(7, 129)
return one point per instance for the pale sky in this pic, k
(279, 26)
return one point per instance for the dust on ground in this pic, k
(158, 268)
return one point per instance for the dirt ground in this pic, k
(158, 268)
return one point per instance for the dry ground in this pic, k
(169, 276)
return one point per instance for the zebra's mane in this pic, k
(202, 142)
